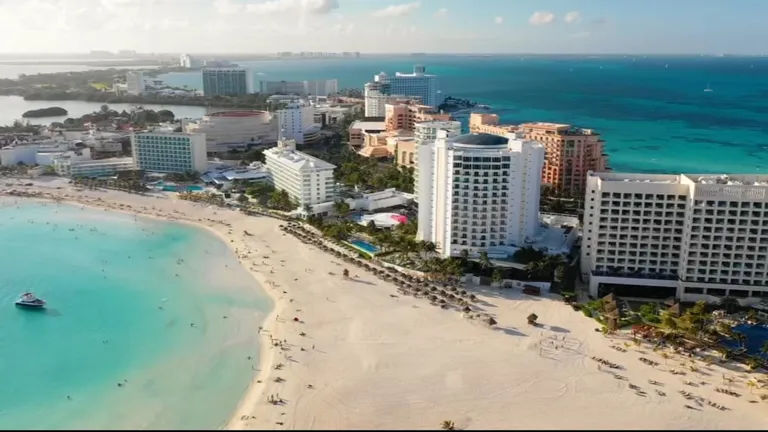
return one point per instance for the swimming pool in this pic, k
(191, 188)
(365, 246)
(756, 336)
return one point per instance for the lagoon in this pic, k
(121, 308)
(12, 107)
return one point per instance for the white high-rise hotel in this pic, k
(689, 236)
(417, 84)
(479, 192)
(169, 152)
(307, 179)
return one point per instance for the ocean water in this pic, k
(120, 309)
(652, 111)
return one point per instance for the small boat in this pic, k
(708, 89)
(29, 300)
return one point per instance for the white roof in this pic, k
(364, 125)
(297, 160)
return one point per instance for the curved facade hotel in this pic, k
(689, 236)
(479, 192)
(227, 129)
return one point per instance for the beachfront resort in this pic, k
(511, 246)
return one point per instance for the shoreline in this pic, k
(266, 356)
(380, 359)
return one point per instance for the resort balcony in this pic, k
(636, 275)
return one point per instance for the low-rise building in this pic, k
(169, 152)
(489, 123)
(405, 115)
(229, 130)
(25, 152)
(307, 179)
(67, 166)
(357, 129)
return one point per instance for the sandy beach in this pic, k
(373, 359)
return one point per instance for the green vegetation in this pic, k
(267, 196)
(45, 112)
(368, 174)
(100, 86)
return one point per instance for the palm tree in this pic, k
(498, 276)
(427, 247)
(448, 425)
(464, 254)
(751, 385)
(485, 262)
(741, 338)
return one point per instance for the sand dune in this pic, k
(396, 362)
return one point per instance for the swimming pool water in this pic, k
(756, 336)
(365, 246)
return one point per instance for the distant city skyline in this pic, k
(384, 26)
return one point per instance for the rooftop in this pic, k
(480, 140)
(249, 113)
(364, 125)
(636, 178)
(439, 123)
(298, 160)
(730, 180)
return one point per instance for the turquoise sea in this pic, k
(652, 111)
(122, 295)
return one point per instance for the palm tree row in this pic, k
(131, 186)
(445, 295)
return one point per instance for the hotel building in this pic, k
(376, 95)
(479, 192)
(307, 179)
(168, 152)
(134, 83)
(488, 123)
(689, 236)
(227, 130)
(68, 166)
(300, 88)
(225, 81)
(297, 122)
(415, 85)
(404, 115)
(407, 150)
(571, 152)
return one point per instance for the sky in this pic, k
(385, 26)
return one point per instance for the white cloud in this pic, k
(573, 17)
(227, 7)
(498, 20)
(441, 13)
(342, 29)
(397, 10)
(281, 6)
(542, 18)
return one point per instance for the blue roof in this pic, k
(480, 139)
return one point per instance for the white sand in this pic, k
(397, 362)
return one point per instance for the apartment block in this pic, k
(689, 236)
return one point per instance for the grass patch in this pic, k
(99, 86)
